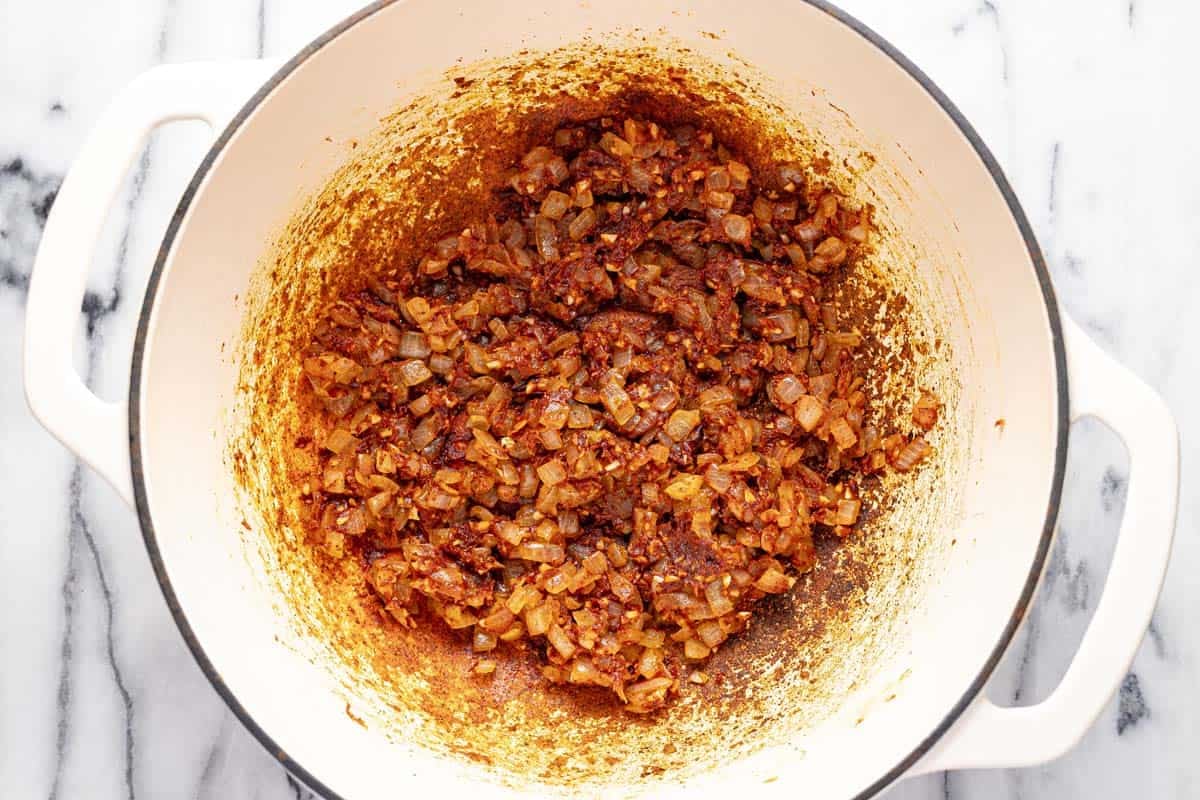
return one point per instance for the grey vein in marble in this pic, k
(64, 676)
(80, 532)
(1131, 705)
(25, 200)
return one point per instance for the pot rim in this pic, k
(990, 164)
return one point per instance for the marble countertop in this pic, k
(1089, 105)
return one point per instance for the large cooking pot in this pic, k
(873, 670)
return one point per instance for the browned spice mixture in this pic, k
(605, 423)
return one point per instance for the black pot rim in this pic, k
(1035, 256)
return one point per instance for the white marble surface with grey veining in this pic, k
(1090, 106)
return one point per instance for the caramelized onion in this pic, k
(540, 552)
(911, 454)
(785, 390)
(602, 425)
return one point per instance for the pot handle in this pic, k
(97, 430)
(990, 736)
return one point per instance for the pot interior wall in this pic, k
(332, 178)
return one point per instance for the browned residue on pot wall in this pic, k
(432, 165)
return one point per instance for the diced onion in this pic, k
(440, 363)
(426, 431)
(580, 416)
(555, 205)
(421, 406)
(717, 601)
(911, 454)
(718, 479)
(774, 582)
(540, 552)
(616, 400)
(546, 238)
(539, 618)
(552, 472)
(623, 588)
(781, 326)
(737, 228)
(560, 641)
(847, 512)
(680, 601)
(842, 433)
(583, 671)
(681, 424)
(785, 390)
(413, 345)
(809, 412)
(642, 696)
(414, 372)
(583, 223)
(568, 523)
(684, 487)
(498, 621)
(650, 663)
(340, 441)
(458, 618)
(710, 632)
(742, 463)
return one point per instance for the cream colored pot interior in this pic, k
(374, 145)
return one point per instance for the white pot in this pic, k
(974, 269)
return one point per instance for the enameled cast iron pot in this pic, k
(898, 690)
